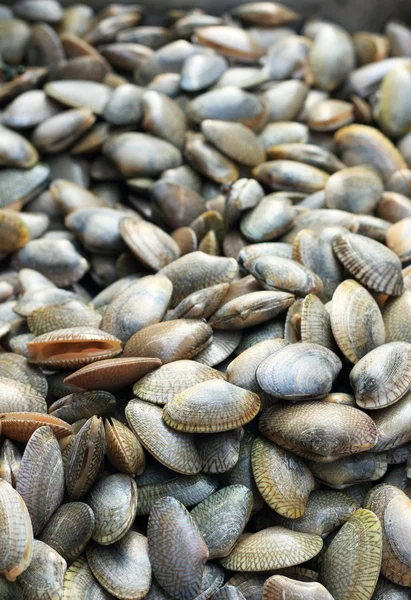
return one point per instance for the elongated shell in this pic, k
(373, 264)
(45, 574)
(283, 480)
(279, 587)
(351, 564)
(16, 396)
(350, 470)
(250, 309)
(382, 376)
(175, 450)
(397, 318)
(321, 431)
(299, 371)
(315, 325)
(284, 274)
(79, 582)
(17, 548)
(272, 548)
(210, 407)
(41, 477)
(65, 348)
(123, 449)
(393, 424)
(152, 246)
(19, 426)
(176, 549)
(356, 320)
(83, 405)
(59, 316)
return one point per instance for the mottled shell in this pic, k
(69, 530)
(83, 405)
(222, 345)
(279, 587)
(201, 304)
(113, 500)
(40, 481)
(272, 548)
(210, 407)
(315, 324)
(169, 380)
(351, 563)
(374, 265)
(250, 309)
(320, 431)
(171, 448)
(283, 480)
(44, 576)
(73, 347)
(398, 239)
(122, 568)
(16, 396)
(396, 314)
(393, 424)
(79, 582)
(221, 518)
(17, 548)
(219, 452)
(278, 273)
(382, 376)
(152, 246)
(290, 175)
(299, 371)
(176, 549)
(356, 320)
(350, 470)
(123, 449)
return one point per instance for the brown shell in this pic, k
(112, 374)
(210, 407)
(250, 309)
(397, 318)
(65, 348)
(315, 323)
(170, 340)
(393, 424)
(374, 265)
(290, 175)
(278, 273)
(152, 246)
(382, 376)
(201, 304)
(123, 449)
(356, 320)
(171, 448)
(398, 239)
(19, 426)
(16, 396)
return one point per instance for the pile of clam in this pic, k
(205, 306)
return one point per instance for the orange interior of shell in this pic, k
(69, 350)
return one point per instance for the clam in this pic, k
(298, 372)
(222, 345)
(69, 196)
(72, 313)
(395, 314)
(316, 156)
(113, 501)
(350, 470)
(139, 305)
(392, 425)
(289, 175)
(351, 563)
(355, 189)
(69, 530)
(163, 118)
(45, 574)
(210, 407)
(208, 161)
(150, 245)
(332, 57)
(235, 141)
(393, 114)
(278, 273)
(356, 320)
(330, 115)
(202, 70)
(123, 449)
(19, 426)
(178, 454)
(16, 396)
(17, 550)
(15, 150)
(284, 481)
(18, 188)
(79, 94)
(222, 517)
(170, 379)
(10, 460)
(265, 13)
(40, 481)
(219, 452)
(83, 405)
(374, 265)
(279, 586)
(79, 581)
(230, 41)
(201, 304)
(382, 376)
(398, 239)
(314, 322)
(268, 220)
(178, 205)
(72, 347)
(185, 579)
(60, 131)
(170, 340)
(321, 431)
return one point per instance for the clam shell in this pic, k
(396, 313)
(201, 304)
(382, 376)
(45, 574)
(356, 320)
(123, 449)
(299, 371)
(219, 452)
(221, 518)
(208, 161)
(113, 500)
(69, 530)
(22, 397)
(283, 480)
(374, 265)
(210, 407)
(178, 454)
(392, 424)
(164, 383)
(170, 340)
(79, 94)
(320, 431)
(17, 550)
(278, 586)
(265, 13)
(235, 140)
(268, 220)
(250, 309)
(352, 561)
(223, 344)
(178, 205)
(72, 347)
(350, 470)
(230, 41)
(172, 529)
(79, 582)
(83, 405)
(19, 426)
(315, 325)
(10, 460)
(355, 189)
(289, 175)
(123, 568)
(278, 273)
(40, 481)
(272, 548)
(152, 246)
(398, 239)
(72, 313)
(332, 57)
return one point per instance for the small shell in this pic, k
(283, 480)
(113, 500)
(60, 316)
(382, 376)
(278, 587)
(396, 315)
(272, 548)
(76, 346)
(79, 94)
(83, 405)
(223, 344)
(123, 449)
(351, 563)
(164, 383)
(219, 452)
(315, 325)
(208, 161)
(230, 41)
(268, 220)
(210, 407)
(178, 454)
(152, 246)
(235, 141)
(350, 470)
(45, 574)
(289, 175)
(398, 239)
(201, 304)
(19, 426)
(332, 57)
(374, 265)
(355, 189)
(265, 13)
(10, 460)
(278, 273)
(320, 431)
(330, 115)
(393, 427)
(356, 320)
(22, 397)
(69, 530)
(299, 371)
(79, 582)
(221, 518)
(123, 568)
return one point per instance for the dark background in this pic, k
(356, 15)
